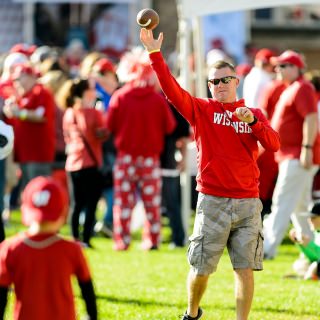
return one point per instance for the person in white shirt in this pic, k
(258, 77)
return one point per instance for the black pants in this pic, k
(171, 201)
(2, 187)
(86, 192)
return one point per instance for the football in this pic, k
(147, 18)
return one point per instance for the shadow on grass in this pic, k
(284, 311)
(125, 300)
(262, 310)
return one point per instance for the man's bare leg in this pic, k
(197, 285)
(244, 288)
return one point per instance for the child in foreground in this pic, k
(310, 248)
(40, 263)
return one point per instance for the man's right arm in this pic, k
(179, 97)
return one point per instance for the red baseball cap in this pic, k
(43, 200)
(24, 48)
(264, 55)
(20, 69)
(104, 65)
(243, 69)
(290, 57)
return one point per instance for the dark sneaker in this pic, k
(187, 317)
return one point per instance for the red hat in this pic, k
(22, 69)
(24, 48)
(104, 65)
(243, 69)
(291, 57)
(217, 43)
(264, 55)
(43, 200)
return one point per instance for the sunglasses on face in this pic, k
(284, 65)
(224, 80)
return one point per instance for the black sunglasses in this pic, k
(284, 65)
(224, 80)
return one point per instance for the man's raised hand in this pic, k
(148, 41)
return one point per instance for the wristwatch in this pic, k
(255, 120)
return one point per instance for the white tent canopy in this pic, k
(204, 7)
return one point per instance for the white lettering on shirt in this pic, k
(224, 119)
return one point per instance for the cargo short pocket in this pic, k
(195, 250)
(258, 257)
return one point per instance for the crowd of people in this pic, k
(103, 130)
(70, 123)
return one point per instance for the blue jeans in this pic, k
(108, 216)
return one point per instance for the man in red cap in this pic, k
(32, 114)
(106, 79)
(254, 85)
(267, 165)
(258, 77)
(104, 73)
(40, 263)
(295, 118)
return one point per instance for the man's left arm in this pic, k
(268, 137)
(261, 129)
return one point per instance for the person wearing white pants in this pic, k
(295, 119)
(291, 198)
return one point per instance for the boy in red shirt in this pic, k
(40, 263)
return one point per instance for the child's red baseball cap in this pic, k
(43, 200)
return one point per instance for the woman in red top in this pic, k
(83, 132)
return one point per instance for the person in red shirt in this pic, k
(228, 209)
(9, 63)
(139, 118)
(40, 263)
(266, 162)
(295, 117)
(32, 114)
(314, 77)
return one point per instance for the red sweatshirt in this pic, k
(139, 118)
(227, 147)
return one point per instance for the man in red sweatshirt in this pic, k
(228, 209)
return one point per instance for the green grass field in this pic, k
(151, 285)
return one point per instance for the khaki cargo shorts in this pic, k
(221, 222)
